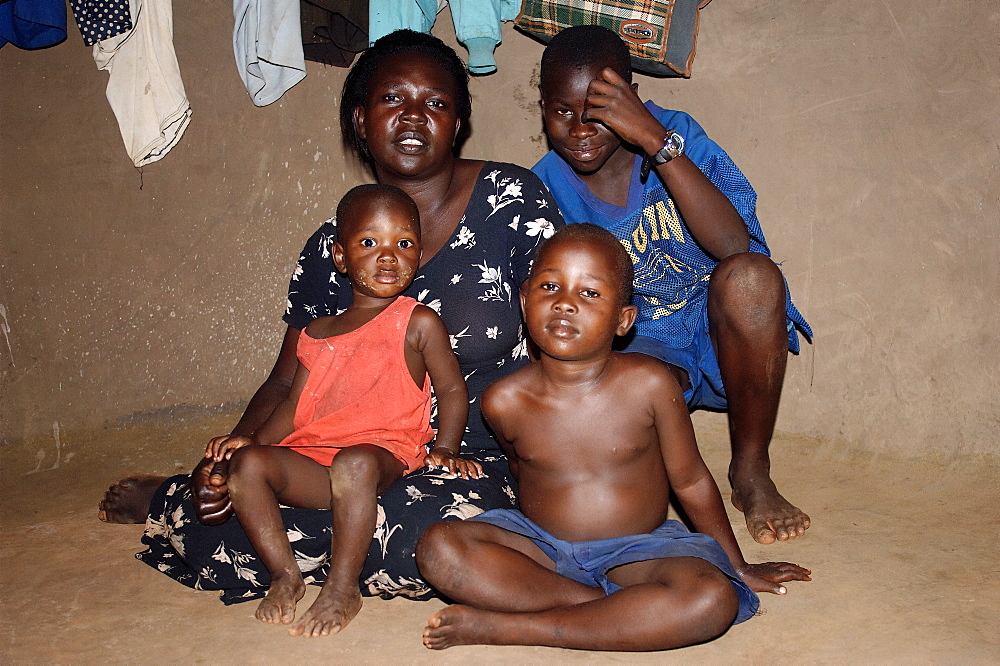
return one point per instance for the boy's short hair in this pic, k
(369, 195)
(581, 46)
(585, 232)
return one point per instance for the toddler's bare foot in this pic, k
(127, 501)
(769, 516)
(463, 625)
(278, 607)
(333, 609)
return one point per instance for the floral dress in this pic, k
(472, 283)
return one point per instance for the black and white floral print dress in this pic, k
(472, 283)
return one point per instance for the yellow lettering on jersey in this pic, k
(667, 310)
(639, 238)
(668, 220)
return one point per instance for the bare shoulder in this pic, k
(323, 327)
(508, 392)
(647, 374)
(424, 320)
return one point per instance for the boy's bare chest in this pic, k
(607, 438)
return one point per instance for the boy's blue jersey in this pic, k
(671, 269)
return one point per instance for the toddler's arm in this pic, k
(698, 493)
(432, 342)
(275, 428)
(708, 213)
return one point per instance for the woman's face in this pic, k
(410, 119)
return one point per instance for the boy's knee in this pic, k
(750, 284)
(440, 543)
(716, 602)
(750, 272)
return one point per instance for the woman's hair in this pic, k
(401, 42)
(583, 46)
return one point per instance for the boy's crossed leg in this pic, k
(520, 600)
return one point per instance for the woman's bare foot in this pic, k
(127, 501)
(770, 517)
(278, 607)
(464, 625)
(333, 609)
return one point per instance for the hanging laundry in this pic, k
(144, 87)
(477, 23)
(477, 26)
(101, 19)
(267, 42)
(32, 24)
(334, 31)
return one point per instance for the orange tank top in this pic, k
(360, 391)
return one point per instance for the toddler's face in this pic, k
(381, 252)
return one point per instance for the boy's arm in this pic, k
(449, 388)
(494, 404)
(708, 213)
(698, 493)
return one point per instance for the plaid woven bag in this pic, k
(660, 34)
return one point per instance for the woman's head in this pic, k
(399, 44)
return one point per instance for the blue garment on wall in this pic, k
(477, 23)
(32, 24)
(101, 19)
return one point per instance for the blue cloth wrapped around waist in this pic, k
(588, 562)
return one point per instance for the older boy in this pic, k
(711, 302)
(597, 440)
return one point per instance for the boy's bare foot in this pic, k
(770, 517)
(333, 609)
(278, 607)
(127, 501)
(463, 625)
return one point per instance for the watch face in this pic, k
(675, 144)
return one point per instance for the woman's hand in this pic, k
(210, 492)
(445, 459)
(767, 576)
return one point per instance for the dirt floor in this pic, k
(904, 556)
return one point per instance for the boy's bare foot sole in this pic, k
(770, 517)
(463, 625)
(278, 607)
(333, 609)
(127, 502)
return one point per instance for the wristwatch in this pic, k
(673, 146)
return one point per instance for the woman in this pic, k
(403, 106)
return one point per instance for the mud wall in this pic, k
(868, 128)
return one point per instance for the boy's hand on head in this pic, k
(614, 103)
(445, 459)
(768, 576)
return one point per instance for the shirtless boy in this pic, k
(357, 417)
(597, 440)
(711, 302)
